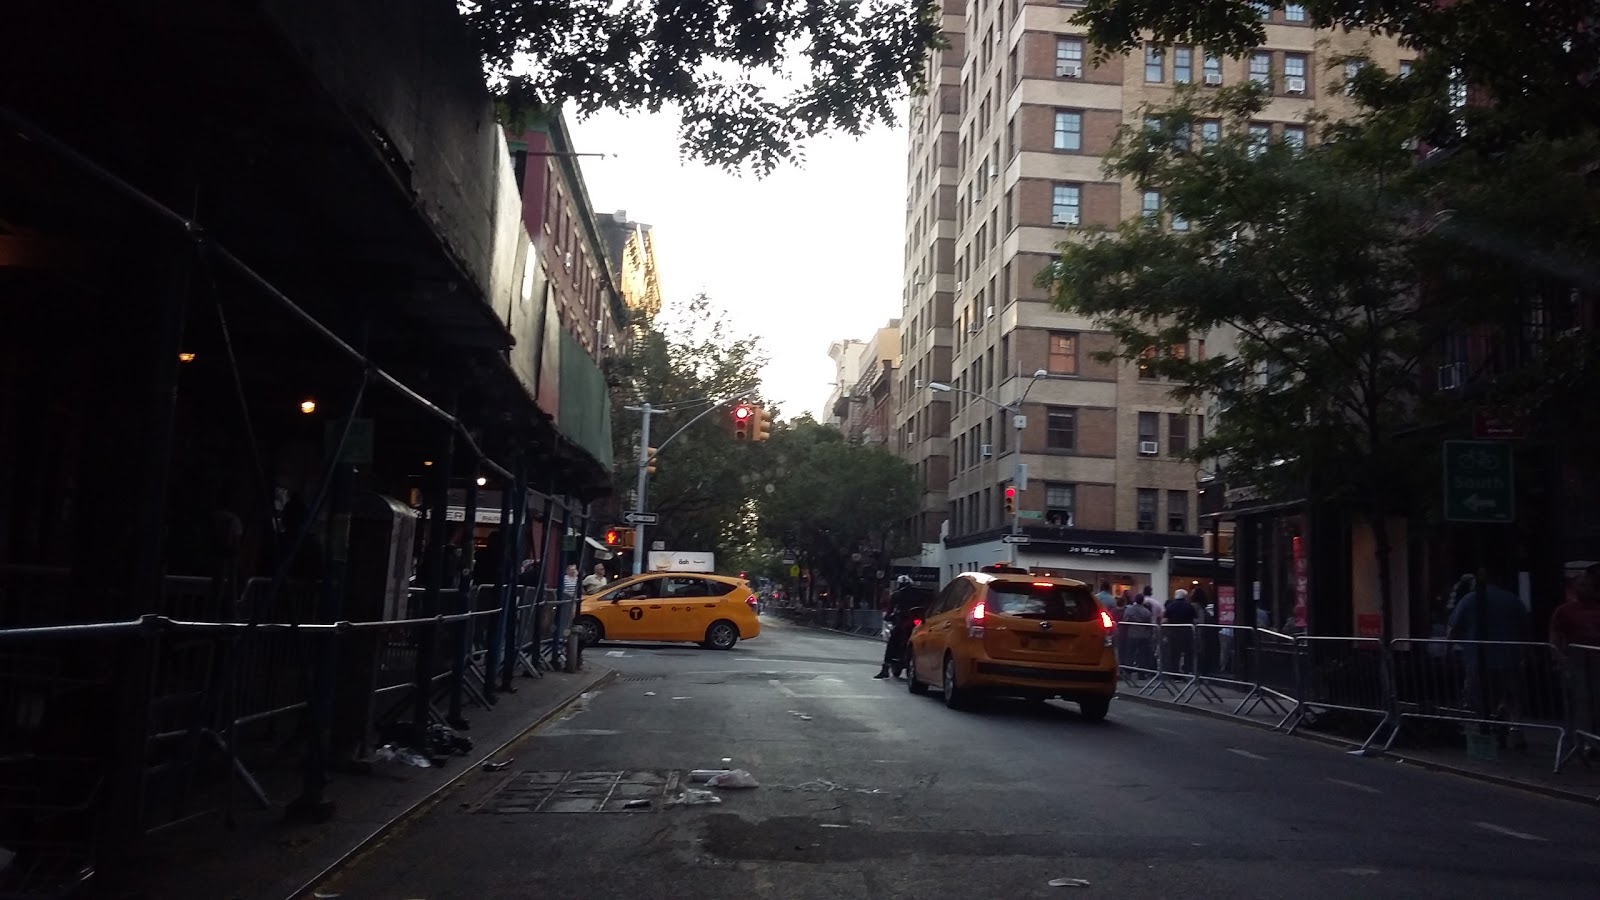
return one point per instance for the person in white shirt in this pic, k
(596, 581)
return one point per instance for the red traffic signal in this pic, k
(1011, 499)
(741, 412)
(613, 538)
(741, 422)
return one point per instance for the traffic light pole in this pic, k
(642, 486)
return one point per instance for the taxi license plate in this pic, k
(1038, 642)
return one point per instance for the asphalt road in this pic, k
(868, 792)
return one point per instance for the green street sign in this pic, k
(1479, 485)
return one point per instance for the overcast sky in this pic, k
(804, 257)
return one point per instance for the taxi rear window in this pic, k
(1057, 602)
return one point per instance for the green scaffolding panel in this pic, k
(585, 416)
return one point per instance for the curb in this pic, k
(433, 797)
(1554, 793)
(863, 637)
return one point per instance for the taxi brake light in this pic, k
(979, 611)
(915, 622)
(1105, 620)
(975, 620)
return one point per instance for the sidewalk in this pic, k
(264, 859)
(1440, 746)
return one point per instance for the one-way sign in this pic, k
(1016, 539)
(639, 518)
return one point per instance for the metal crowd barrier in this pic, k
(223, 695)
(1493, 689)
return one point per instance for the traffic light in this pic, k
(1011, 499)
(650, 460)
(760, 424)
(743, 417)
(619, 537)
(613, 537)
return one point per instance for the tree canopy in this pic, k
(1537, 58)
(682, 362)
(752, 78)
(831, 499)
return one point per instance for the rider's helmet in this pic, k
(903, 581)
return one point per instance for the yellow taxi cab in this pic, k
(1005, 631)
(712, 610)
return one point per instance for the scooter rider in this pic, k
(899, 618)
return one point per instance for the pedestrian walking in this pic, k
(1488, 619)
(1139, 635)
(596, 580)
(1575, 632)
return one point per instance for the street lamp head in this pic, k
(939, 386)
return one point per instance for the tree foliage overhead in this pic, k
(752, 78)
(682, 362)
(1538, 58)
(832, 499)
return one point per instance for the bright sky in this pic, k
(806, 256)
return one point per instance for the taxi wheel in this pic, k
(955, 696)
(722, 635)
(589, 629)
(1094, 709)
(913, 683)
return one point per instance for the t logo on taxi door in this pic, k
(636, 613)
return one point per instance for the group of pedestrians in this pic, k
(1142, 622)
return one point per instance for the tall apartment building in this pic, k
(866, 408)
(1006, 162)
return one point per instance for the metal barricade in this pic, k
(1341, 673)
(1503, 687)
(1580, 667)
(1139, 662)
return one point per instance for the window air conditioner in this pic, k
(994, 169)
(1149, 448)
(569, 259)
(986, 450)
(1294, 85)
(973, 328)
(1069, 70)
(1213, 79)
(988, 313)
(1069, 219)
(959, 286)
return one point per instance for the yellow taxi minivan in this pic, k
(1005, 631)
(711, 610)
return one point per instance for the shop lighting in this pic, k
(186, 357)
(482, 481)
(308, 406)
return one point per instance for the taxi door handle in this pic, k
(655, 606)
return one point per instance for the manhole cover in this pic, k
(581, 792)
(640, 678)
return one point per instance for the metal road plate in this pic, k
(582, 792)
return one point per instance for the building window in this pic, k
(1061, 428)
(1145, 371)
(1151, 206)
(1182, 65)
(1261, 67)
(1259, 136)
(1210, 132)
(1213, 69)
(1295, 137)
(1263, 9)
(1294, 12)
(1069, 130)
(1294, 73)
(1065, 202)
(1179, 223)
(1069, 58)
(1405, 68)
(1177, 433)
(1154, 64)
(1060, 502)
(1178, 511)
(1063, 359)
(1145, 509)
(1149, 434)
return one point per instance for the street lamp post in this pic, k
(1019, 423)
